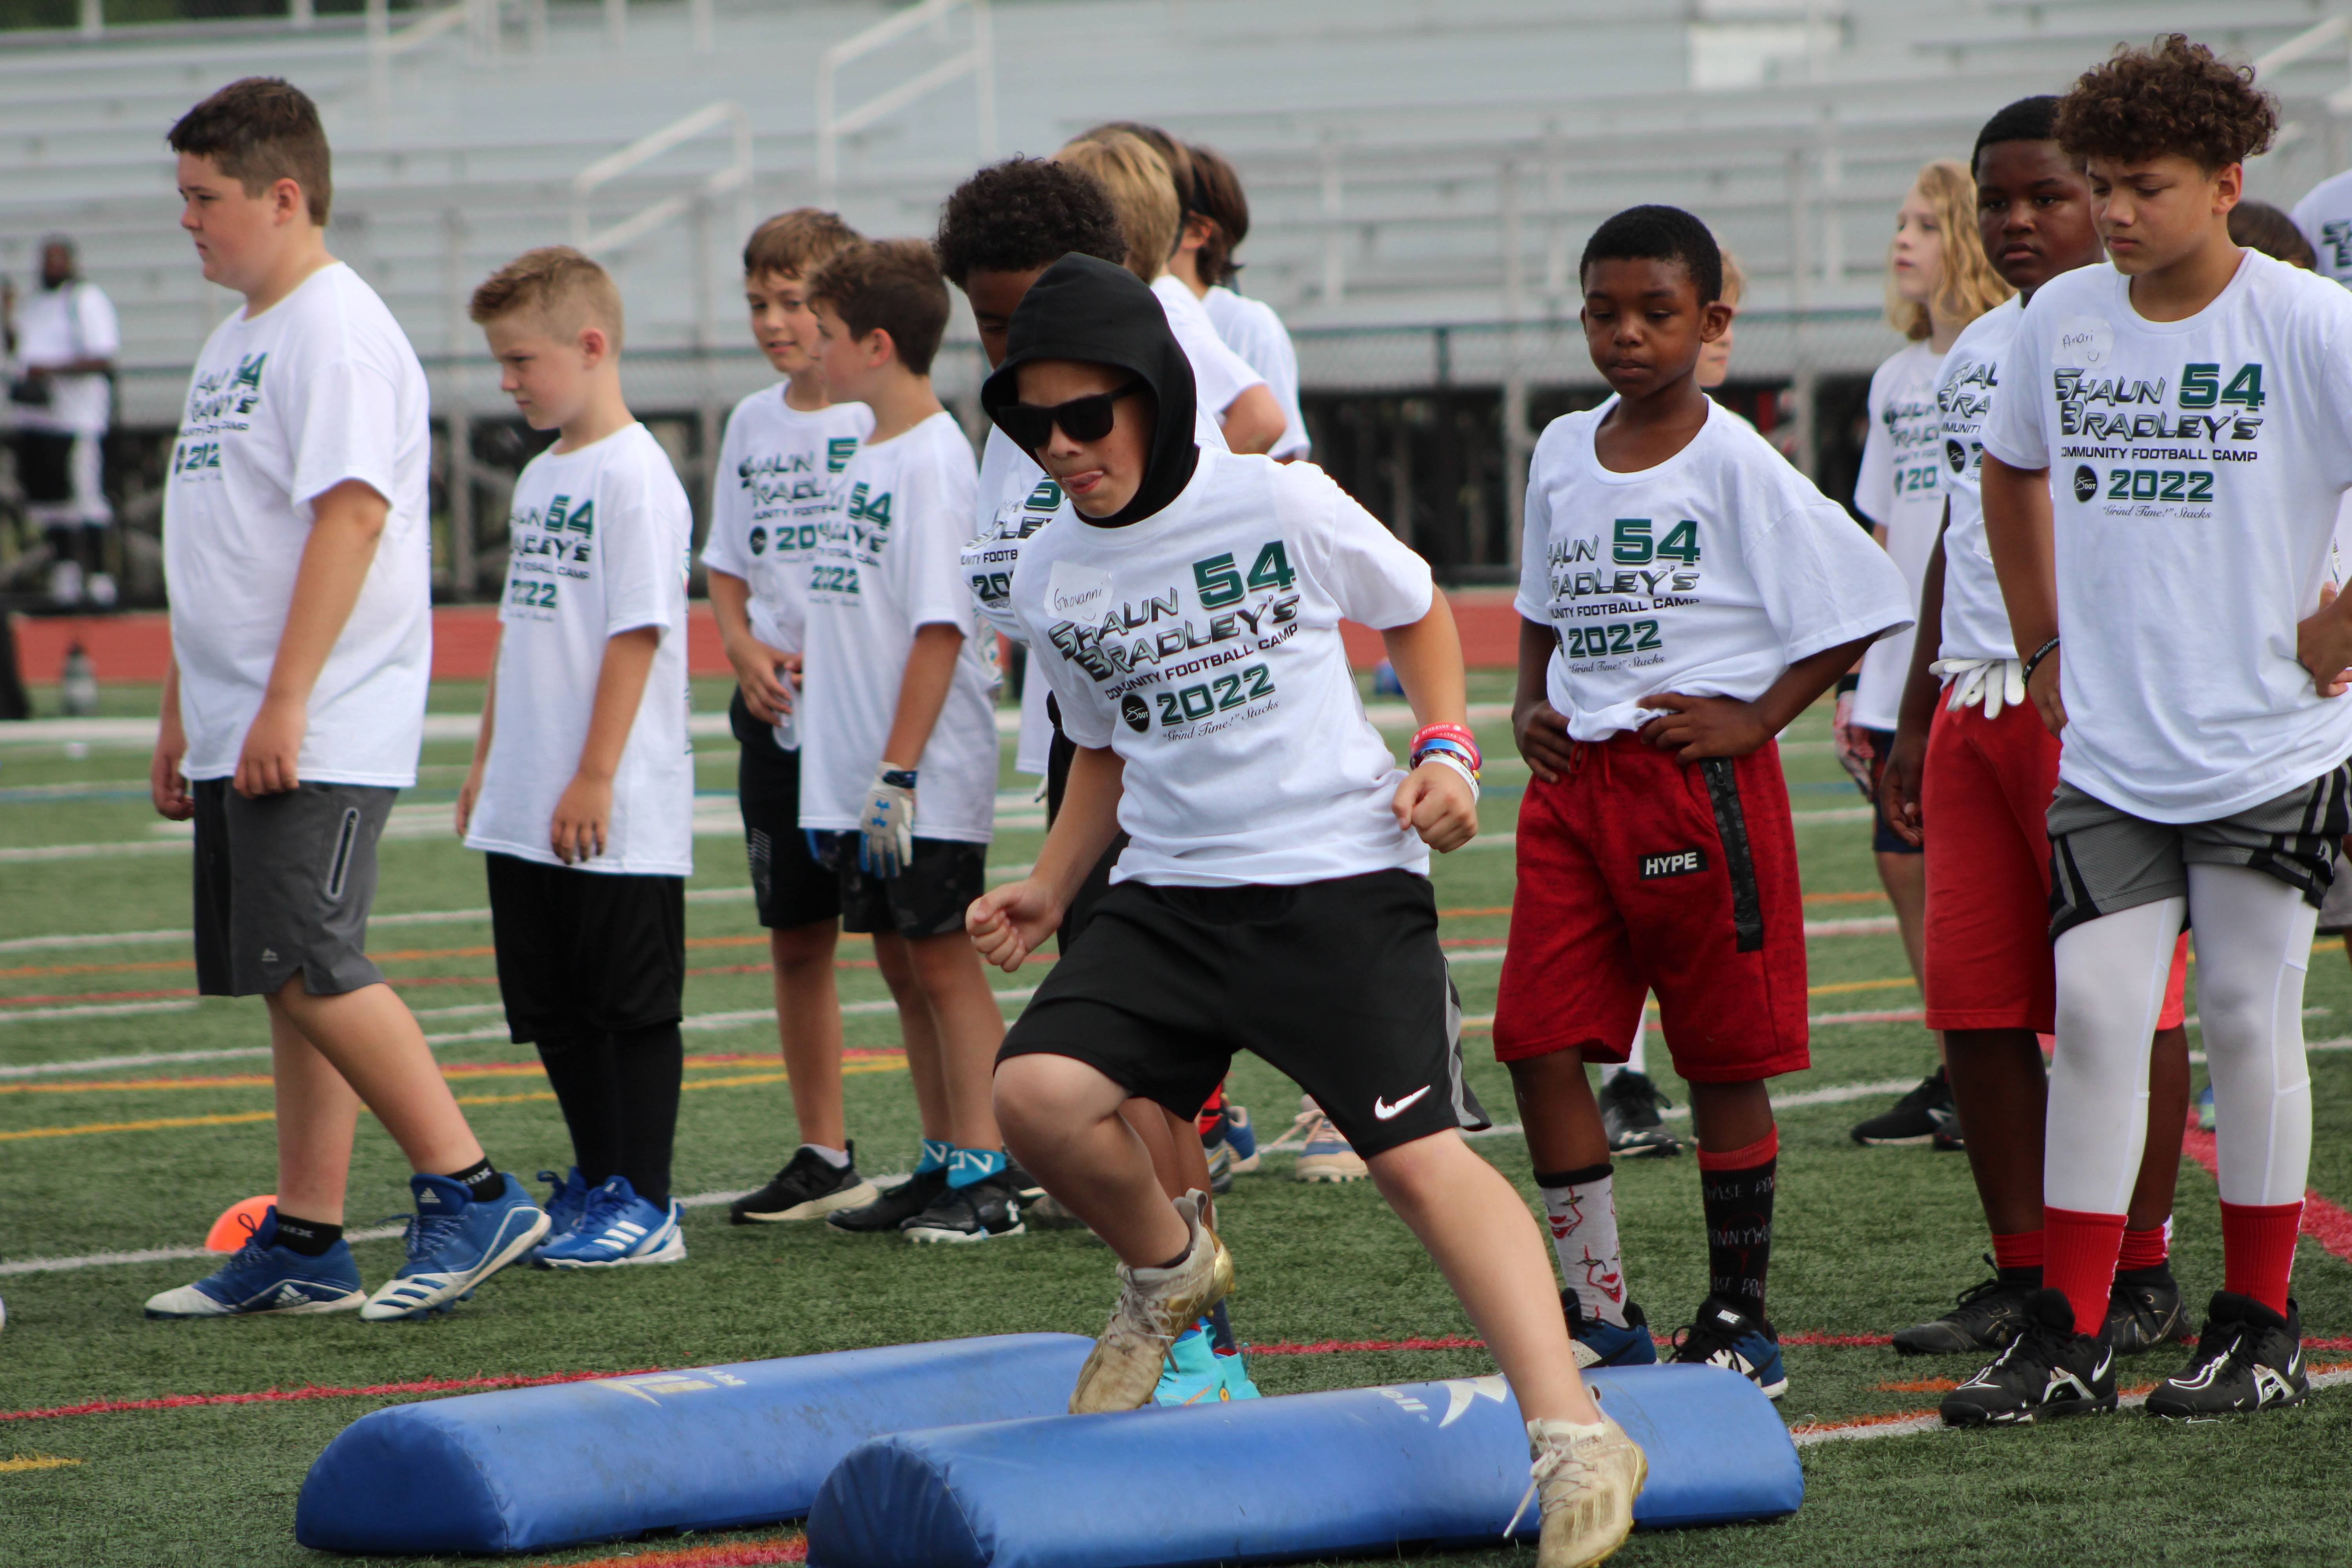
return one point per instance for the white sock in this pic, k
(2253, 945)
(1584, 1234)
(2111, 976)
(837, 1158)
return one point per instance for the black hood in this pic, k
(1085, 308)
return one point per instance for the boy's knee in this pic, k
(797, 947)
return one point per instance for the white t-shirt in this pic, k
(2196, 468)
(2325, 217)
(1902, 460)
(1976, 617)
(600, 543)
(775, 476)
(59, 326)
(886, 564)
(1708, 574)
(1219, 374)
(319, 388)
(1202, 645)
(1251, 329)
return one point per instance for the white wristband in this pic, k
(1449, 760)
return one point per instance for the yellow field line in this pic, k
(33, 1462)
(161, 1124)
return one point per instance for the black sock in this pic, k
(648, 1067)
(587, 1088)
(1573, 1178)
(1220, 1331)
(483, 1181)
(310, 1237)
(1738, 1204)
(2028, 1276)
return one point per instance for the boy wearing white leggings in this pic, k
(2191, 408)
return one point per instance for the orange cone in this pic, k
(228, 1233)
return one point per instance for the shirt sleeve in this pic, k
(635, 533)
(2014, 431)
(1822, 581)
(1873, 485)
(346, 420)
(98, 335)
(1534, 599)
(935, 498)
(1370, 573)
(723, 551)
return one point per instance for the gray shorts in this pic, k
(283, 885)
(2102, 860)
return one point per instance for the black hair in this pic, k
(2257, 226)
(1024, 214)
(1659, 234)
(2027, 119)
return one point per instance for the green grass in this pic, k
(1869, 1240)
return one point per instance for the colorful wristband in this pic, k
(1454, 732)
(1441, 746)
(1448, 760)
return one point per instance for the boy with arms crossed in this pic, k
(582, 792)
(1686, 594)
(785, 448)
(1969, 778)
(897, 700)
(2178, 422)
(1275, 887)
(296, 554)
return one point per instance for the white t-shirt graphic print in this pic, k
(599, 540)
(1976, 617)
(2195, 470)
(319, 389)
(1899, 489)
(887, 563)
(1202, 645)
(1708, 574)
(777, 466)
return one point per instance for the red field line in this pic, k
(1330, 1347)
(282, 1395)
(2325, 1222)
(730, 1555)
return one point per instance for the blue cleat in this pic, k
(1727, 1337)
(565, 1205)
(454, 1244)
(619, 1228)
(1236, 1376)
(1600, 1344)
(264, 1277)
(1190, 1372)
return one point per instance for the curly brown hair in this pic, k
(2175, 98)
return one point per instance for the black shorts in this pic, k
(1884, 840)
(928, 897)
(586, 953)
(283, 887)
(1341, 985)
(790, 886)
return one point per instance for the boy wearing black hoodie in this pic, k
(1274, 891)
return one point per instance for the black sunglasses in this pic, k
(1081, 418)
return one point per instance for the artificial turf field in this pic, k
(129, 1156)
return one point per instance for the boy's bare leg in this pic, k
(2167, 1119)
(971, 1027)
(1730, 1116)
(921, 1034)
(372, 1040)
(1061, 1120)
(2001, 1090)
(1905, 878)
(808, 1023)
(1557, 1107)
(318, 1114)
(1485, 1243)
(1177, 1155)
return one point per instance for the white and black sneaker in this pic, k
(2144, 1309)
(986, 1209)
(1628, 1115)
(1991, 1314)
(807, 1188)
(1727, 1337)
(2048, 1370)
(2249, 1358)
(1922, 1116)
(894, 1207)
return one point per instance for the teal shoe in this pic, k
(1192, 1373)
(1236, 1376)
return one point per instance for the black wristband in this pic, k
(2033, 663)
(1847, 683)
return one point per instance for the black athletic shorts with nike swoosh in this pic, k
(1341, 985)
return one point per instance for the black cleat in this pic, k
(2248, 1359)
(894, 1207)
(1727, 1337)
(1023, 1186)
(2144, 1309)
(1915, 1118)
(1990, 1315)
(987, 1208)
(807, 1188)
(1628, 1115)
(2048, 1371)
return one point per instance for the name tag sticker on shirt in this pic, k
(1678, 863)
(1078, 592)
(2085, 343)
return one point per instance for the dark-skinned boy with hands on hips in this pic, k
(1686, 594)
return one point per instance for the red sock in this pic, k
(2021, 1250)
(2144, 1249)
(2080, 1252)
(2258, 1250)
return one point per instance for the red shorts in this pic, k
(1637, 874)
(1985, 787)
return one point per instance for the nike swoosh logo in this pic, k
(2100, 1371)
(1386, 1112)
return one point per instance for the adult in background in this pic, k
(64, 339)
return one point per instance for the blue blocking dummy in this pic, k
(529, 1469)
(1315, 1475)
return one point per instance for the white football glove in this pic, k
(885, 827)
